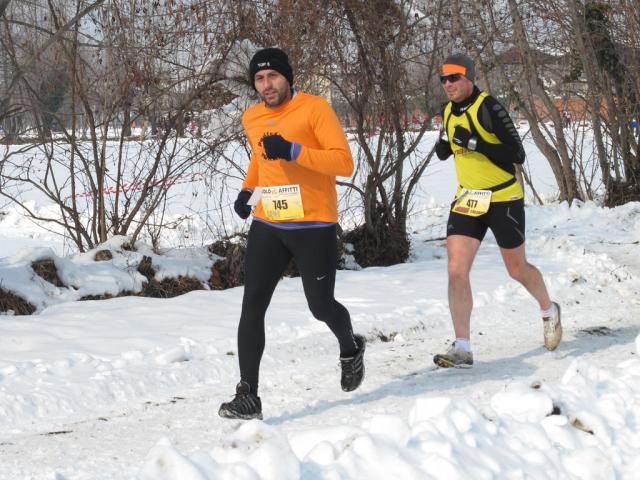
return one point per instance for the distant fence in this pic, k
(138, 185)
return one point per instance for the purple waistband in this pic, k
(295, 225)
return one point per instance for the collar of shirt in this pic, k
(461, 107)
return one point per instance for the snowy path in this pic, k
(398, 373)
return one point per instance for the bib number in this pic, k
(282, 202)
(473, 202)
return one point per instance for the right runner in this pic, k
(485, 145)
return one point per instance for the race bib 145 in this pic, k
(282, 202)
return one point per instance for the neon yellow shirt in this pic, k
(473, 169)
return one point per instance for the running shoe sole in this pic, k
(224, 413)
(444, 362)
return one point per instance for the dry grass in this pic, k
(168, 287)
(171, 287)
(10, 302)
(229, 271)
(103, 255)
(46, 268)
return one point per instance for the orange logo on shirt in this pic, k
(461, 151)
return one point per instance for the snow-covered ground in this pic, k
(130, 387)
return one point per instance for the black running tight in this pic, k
(269, 251)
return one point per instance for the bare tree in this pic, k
(375, 61)
(508, 47)
(541, 54)
(610, 63)
(384, 56)
(81, 77)
(120, 61)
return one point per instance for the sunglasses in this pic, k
(454, 77)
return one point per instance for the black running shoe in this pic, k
(353, 367)
(245, 405)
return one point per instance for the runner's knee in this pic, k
(518, 270)
(255, 300)
(329, 311)
(458, 270)
(322, 310)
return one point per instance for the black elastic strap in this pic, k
(472, 125)
(446, 122)
(500, 186)
(503, 185)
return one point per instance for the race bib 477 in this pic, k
(473, 202)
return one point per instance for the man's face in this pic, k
(457, 87)
(272, 87)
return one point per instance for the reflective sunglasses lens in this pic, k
(450, 78)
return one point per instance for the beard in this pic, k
(275, 97)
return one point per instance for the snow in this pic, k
(128, 388)
(87, 277)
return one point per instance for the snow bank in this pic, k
(84, 276)
(587, 427)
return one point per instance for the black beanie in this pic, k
(270, 59)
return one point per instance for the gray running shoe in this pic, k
(552, 329)
(455, 357)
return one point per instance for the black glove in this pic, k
(276, 147)
(240, 205)
(443, 149)
(461, 136)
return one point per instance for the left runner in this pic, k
(298, 148)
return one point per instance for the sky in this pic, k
(129, 388)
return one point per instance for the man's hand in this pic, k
(461, 136)
(276, 147)
(443, 149)
(240, 205)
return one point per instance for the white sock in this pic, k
(463, 344)
(550, 312)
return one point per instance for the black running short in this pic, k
(505, 219)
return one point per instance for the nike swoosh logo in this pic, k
(320, 278)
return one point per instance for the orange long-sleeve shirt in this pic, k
(310, 121)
